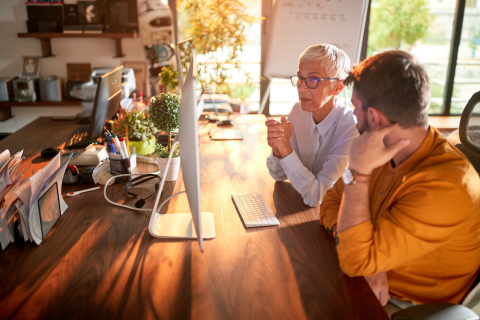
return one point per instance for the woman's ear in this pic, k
(338, 88)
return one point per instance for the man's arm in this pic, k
(331, 205)
(367, 152)
(421, 220)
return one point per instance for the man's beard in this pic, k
(364, 127)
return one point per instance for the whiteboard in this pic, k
(298, 24)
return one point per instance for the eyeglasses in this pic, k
(311, 83)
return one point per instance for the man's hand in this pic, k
(368, 151)
(379, 285)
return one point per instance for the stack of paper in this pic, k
(33, 202)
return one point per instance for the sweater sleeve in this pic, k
(425, 217)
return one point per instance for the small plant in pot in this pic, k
(164, 115)
(141, 131)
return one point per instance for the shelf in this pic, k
(64, 103)
(45, 39)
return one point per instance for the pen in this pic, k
(113, 148)
(71, 194)
(115, 142)
(126, 140)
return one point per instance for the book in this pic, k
(73, 29)
(70, 12)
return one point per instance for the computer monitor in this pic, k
(195, 224)
(107, 100)
(105, 106)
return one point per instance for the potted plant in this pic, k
(164, 115)
(141, 131)
(169, 79)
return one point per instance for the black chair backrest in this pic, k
(470, 131)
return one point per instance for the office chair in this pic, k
(470, 146)
(470, 131)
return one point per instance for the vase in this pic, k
(143, 147)
(172, 173)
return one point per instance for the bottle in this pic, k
(141, 104)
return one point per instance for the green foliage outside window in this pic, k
(219, 29)
(396, 24)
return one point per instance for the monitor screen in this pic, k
(107, 101)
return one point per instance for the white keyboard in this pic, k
(254, 211)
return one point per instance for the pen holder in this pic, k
(120, 166)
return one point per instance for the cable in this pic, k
(129, 175)
(173, 195)
(138, 174)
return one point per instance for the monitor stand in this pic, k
(178, 225)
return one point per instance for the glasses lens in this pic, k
(295, 81)
(312, 83)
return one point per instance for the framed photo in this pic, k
(140, 70)
(30, 67)
(88, 12)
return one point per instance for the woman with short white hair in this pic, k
(311, 147)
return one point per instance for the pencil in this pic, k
(126, 140)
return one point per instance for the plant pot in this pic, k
(172, 173)
(143, 147)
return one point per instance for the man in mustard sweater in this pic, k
(406, 214)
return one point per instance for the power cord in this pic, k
(138, 174)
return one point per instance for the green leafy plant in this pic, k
(164, 113)
(139, 125)
(169, 78)
(219, 28)
(397, 23)
(162, 152)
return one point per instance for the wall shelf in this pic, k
(64, 103)
(45, 39)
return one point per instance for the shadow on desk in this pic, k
(314, 260)
(287, 200)
(102, 262)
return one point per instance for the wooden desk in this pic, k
(100, 262)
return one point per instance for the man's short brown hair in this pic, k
(396, 85)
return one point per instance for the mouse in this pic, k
(50, 152)
(225, 122)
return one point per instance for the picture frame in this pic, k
(30, 67)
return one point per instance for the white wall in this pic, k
(97, 52)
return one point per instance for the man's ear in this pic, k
(338, 88)
(374, 118)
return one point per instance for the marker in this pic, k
(124, 146)
(119, 147)
(72, 194)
